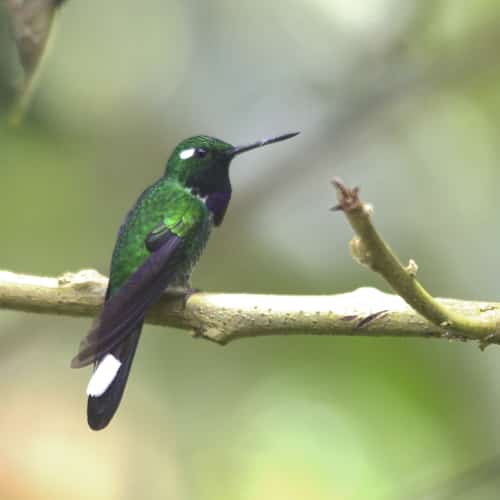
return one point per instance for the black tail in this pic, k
(100, 409)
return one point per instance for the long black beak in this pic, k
(242, 149)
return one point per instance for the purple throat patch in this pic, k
(217, 204)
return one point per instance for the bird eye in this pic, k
(200, 152)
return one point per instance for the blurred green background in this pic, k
(401, 98)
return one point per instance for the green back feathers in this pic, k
(165, 202)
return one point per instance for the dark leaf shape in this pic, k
(31, 25)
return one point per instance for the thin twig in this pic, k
(370, 249)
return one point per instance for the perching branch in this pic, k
(225, 317)
(369, 249)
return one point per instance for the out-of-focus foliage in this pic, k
(31, 24)
(399, 97)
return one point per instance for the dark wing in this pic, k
(124, 312)
(118, 328)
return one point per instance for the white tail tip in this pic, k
(103, 375)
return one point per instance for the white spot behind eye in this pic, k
(187, 153)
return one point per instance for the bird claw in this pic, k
(188, 291)
(183, 292)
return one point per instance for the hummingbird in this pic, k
(158, 244)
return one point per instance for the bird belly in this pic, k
(193, 254)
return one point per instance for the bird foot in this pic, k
(183, 292)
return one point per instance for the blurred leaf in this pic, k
(32, 24)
